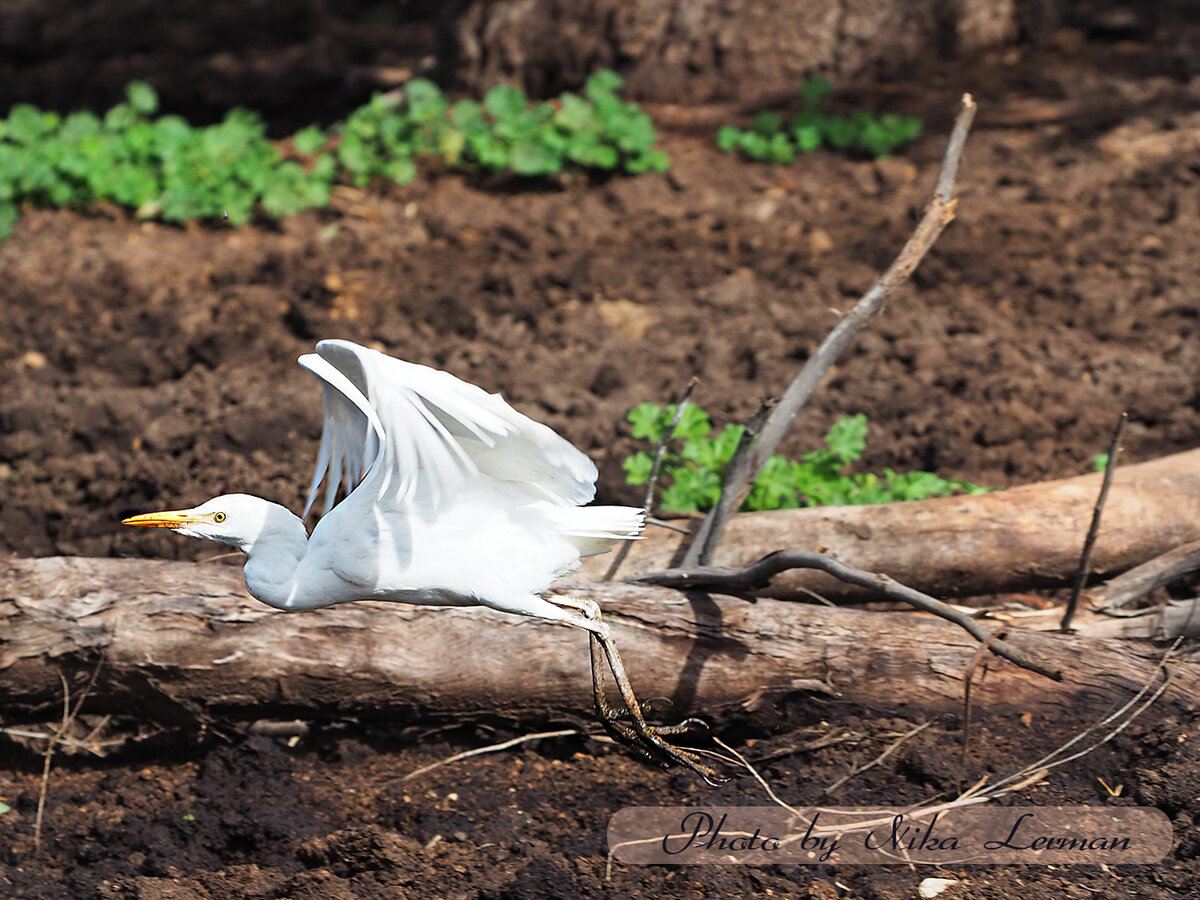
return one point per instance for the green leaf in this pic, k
(727, 138)
(781, 150)
(504, 101)
(324, 168)
(600, 85)
(401, 170)
(807, 138)
(468, 117)
(534, 158)
(490, 153)
(847, 439)
(425, 100)
(309, 140)
(25, 124)
(451, 145)
(694, 423)
(142, 98)
(691, 490)
(78, 125)
(652, 161)
(354, 155)
(1100, 462)
(574, 113)
(586, 150)
(638, 467)
(649, 421)
(726, 442)
(119, 119)
(775, 487)
(754, 145)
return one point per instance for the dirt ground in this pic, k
(150, 367)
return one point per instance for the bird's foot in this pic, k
(628, 726)
(650, 742)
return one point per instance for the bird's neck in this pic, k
(274, 557)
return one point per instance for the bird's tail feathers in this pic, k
(593, 529)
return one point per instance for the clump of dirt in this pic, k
(147, 366)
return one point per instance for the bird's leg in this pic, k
(630, 728)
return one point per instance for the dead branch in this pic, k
(759, 574)
(1008, 541)
(182, 643)
(744, 468)
(1119, 592)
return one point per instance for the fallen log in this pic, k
(1016, 540)
(181, 643)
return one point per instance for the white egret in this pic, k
(452, 498)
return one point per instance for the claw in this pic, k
(651, 702)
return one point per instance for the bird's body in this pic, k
(473, 552)
(452, 498)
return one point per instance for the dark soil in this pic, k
(150, 367)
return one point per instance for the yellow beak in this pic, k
(175, 518)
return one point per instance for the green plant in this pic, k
(693, 473)
(160, 167)
(771, 139)
(504, 133)
(166, 168)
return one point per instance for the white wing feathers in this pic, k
(420, 435)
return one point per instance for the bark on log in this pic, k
(1016, 540)
(683, 51)
(179, 642)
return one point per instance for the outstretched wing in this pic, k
(420, 435)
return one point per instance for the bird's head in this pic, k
(236, 519)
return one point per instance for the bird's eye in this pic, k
(218, 517)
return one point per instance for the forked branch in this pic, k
(759, 574)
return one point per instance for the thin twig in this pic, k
(1085, 558)
(968, 675)
(939, 212)
(491, 748)
(757, 575)
(62, 729)
(89, 745)
(828, 740)
(1052, 760)
(757, 777)
(665, 524)
(913, 732)
(660, 451)
(68, 718)
(221, 556)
